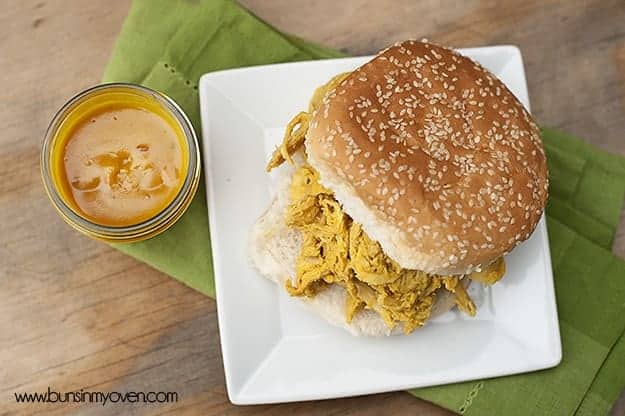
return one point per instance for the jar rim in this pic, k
(144, 229)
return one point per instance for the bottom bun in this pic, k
(274, 247)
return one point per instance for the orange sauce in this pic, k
(123, 160)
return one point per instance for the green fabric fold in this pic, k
(167, 45)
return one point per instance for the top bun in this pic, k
(433, 155)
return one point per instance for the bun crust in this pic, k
(434, 156)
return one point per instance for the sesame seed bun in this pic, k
(433, 155)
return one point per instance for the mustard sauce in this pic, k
(123, 159)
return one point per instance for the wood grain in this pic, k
(76, 314)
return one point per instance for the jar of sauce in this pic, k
(120, 162)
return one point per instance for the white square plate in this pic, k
(274, 350)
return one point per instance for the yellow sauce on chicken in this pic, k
(335, 249)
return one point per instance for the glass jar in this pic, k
(55, 142)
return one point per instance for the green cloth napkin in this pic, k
(167, 45)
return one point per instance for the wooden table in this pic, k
(76, 314)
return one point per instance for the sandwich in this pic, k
(405, 181)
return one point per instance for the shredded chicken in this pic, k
(293, 139)
(298, 126)
(335, 250)
(491, 274)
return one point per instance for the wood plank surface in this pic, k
(76, 314)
